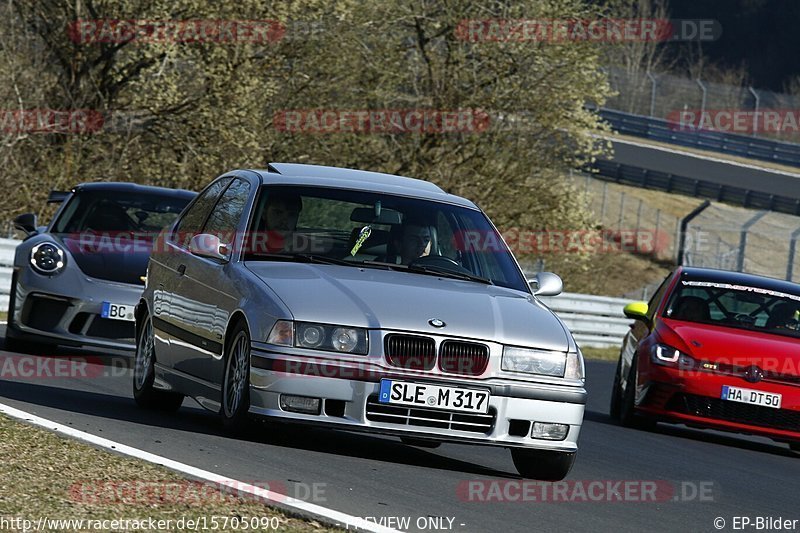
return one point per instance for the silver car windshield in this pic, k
(378, 230)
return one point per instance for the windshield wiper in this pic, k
(301, 257)
(422, 269)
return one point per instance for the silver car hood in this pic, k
(383, 299)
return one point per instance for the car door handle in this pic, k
(181, 269)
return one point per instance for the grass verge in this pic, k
(43, 474)
(600, 354)
(3, 316)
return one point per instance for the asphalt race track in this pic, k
(722, 172)
(371, 476)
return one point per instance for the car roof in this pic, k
(133, 188)
(345, 178)
(739, 278)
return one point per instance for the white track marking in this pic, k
(280, 500)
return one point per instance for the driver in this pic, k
(414, 242)
(279, 220)
(783, 317)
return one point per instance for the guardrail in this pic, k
(728, 143)
(595, 321)
(664, 181)
(7, 247)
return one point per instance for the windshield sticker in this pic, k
(743, 288)
(363, 235)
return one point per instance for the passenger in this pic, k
(783, 316)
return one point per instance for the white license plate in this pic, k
(433, 396)
(117, 311)
(753, 397)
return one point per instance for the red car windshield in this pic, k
(735, 306)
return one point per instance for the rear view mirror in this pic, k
(26, 223)
(209, 246)
(366, 215)
(636, 311)
(546, 284)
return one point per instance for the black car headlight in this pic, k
(48, 258)
(666, 355)
(330, 338)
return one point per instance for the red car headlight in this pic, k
(666, 355)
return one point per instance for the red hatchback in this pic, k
(714, 349)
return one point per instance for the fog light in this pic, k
(300, 404)
(546, 431)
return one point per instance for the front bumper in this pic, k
(349, 402)
(65, 309)
(694, 398)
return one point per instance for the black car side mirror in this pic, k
(27, 223)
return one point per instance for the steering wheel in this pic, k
(439, 261)
(743, 318)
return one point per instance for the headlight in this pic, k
(574, 366)
(542, 362)
(666, 355)
(47, 258)
(313, 336)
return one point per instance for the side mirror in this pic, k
(27, 223)
(207, 245)
(546, 284)
(636, 311)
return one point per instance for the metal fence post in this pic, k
(638, 216)
(684, 224)
(755, 114)
(603, 206)
(790, 262)
(652, 94)
(743, 238)
(703, 101)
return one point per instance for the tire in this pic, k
(544, 465)
(420, 443)
(627, 414)
(236, 381)
(144, 374)
(615, 407)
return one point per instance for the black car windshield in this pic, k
(378, 230)
(117, 211)
(735, 306)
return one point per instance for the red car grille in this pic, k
(741, 413)
(411, 352)
(466, 358)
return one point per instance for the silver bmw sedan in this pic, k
(359, 301)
